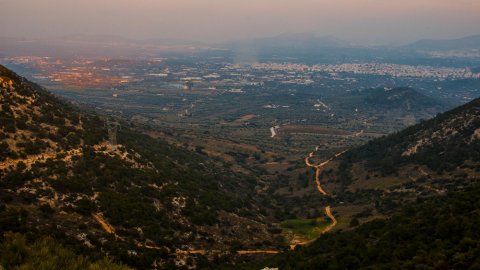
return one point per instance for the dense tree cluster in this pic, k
(439, 233)
(451, 147)
(148, 190)
(37, 121)
(45, 253)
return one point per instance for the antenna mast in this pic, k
(112, 127)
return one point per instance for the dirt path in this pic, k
(332, 217)
(248, 252)
(318, 169)
(111, 230)
(106, 227)
(423, 172)
(328, 210)
(317, 181)
(194, 251)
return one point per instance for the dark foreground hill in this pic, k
(439, 233)
(431, 158)
(142, 201)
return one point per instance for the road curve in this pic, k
(332, 217)
(318, 170)
(247, 252)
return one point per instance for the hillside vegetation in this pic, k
(46, 253)
(68, 191)
(439, 233)
(143, 201)
(417, 198)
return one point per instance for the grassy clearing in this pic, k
(307, 228)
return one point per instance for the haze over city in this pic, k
(362, 21)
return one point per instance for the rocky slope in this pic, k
(429, 159)
(442, 143)
(142, 201)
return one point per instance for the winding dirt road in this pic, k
(247, 252)
(332, 217)
(319, 167)
(318, 170)
(105, 225)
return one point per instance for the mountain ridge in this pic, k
(468, 42)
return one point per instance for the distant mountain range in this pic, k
(115, 46)
(309, 41)
(465, 43)
(311, 48)
(96, 46)
(306, 41)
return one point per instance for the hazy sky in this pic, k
(368, 21)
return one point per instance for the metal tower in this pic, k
(112, 127)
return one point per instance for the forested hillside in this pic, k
(439, 233)
(442, 143)
(142, 200)
(418, 191)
